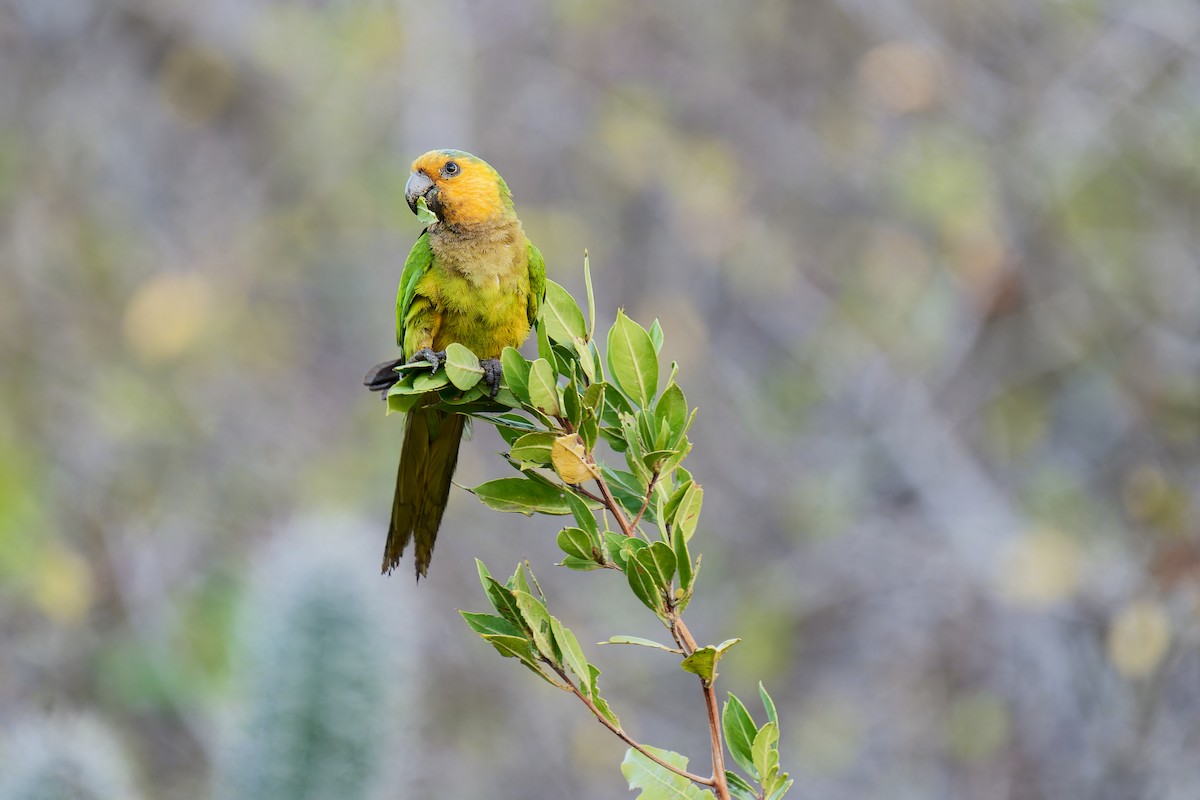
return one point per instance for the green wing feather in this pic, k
(420, 259)
(537, 282)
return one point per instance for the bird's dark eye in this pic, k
(451, 169)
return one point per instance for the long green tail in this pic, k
(427, 461)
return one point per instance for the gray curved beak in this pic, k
(418, 186)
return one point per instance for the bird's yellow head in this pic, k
(460, 188)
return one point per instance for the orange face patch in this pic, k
(468, 196)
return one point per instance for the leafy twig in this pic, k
(622, 735)
(646, 502)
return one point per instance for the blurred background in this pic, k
(929, 268)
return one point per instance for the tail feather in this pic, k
(427, 461)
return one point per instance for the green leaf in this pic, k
(655, 459)
(782, 789)
(671, 410)
(624, 487)
(683, 561)
(672, 462)
(532, 449)
(625, 482)
(739, 787)
(512, 647)
(579, 564)
(572, 404)
(614, 438)
(615, 407)
(543, 388)
(576, 542)
(591, 297)
(427, 382)
(462, 366)
(614, 545)
(491, 625)
(510, 420)
(572, 653)
(703, 662)
(587, 361)
(402, 403)
(519, 581)
(537, 620)
(740, 731)
(589, 431)
(676, 498)
(687, 513)
(516, 373)
(682, 603)
(764, 752)
(482, 569)
(656, 781)
(594, 692)
(453, 396)
(638, 640)
(561, 315)
(593, 398)
(565, 356)
(659, 561)
(584, 516)
(403, 386)
(425, 214)
(505, 397)
(634, 451)
(522, 495)
(643, 585)
(632, 360)
(656, 334)
(768, 703)
(503, 601)
(545, 349)
(647, 429)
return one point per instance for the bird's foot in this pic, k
(435, 357)
(491, 375)
(382, 377)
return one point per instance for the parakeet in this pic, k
(473, 278)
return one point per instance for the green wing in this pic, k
(537, 282)
(419, 260)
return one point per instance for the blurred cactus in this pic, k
(74, 759)
(313, 674)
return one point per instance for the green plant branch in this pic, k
(622, 735)
(687, 643)
(611, 504)
(646, 501)
(589, 495)
(649, 427)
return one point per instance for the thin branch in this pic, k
(611, 504)
(589, 495)
(616, 729)
(680, 630)
(683, 637)
(646, 502)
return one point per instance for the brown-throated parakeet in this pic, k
(473, 278)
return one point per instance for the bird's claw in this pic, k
(491, 375)
(435, 357)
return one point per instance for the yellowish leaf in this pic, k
(569, 458)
